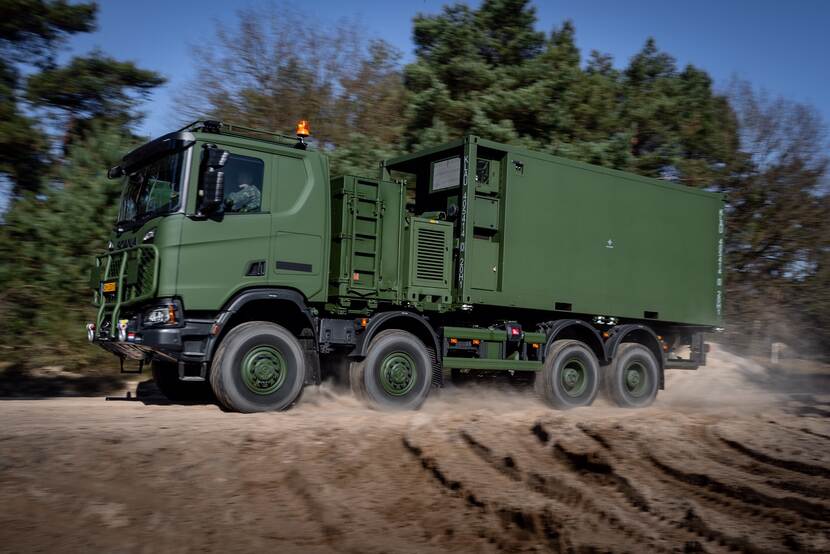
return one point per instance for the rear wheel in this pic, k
(632, 378)
(258, 367)
(570, 376)
(166, 378)
(396, 373)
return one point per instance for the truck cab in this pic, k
(174, 249)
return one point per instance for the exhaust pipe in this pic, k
(90, 332)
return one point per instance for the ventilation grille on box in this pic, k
(429, 258)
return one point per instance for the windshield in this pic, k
(153, 189)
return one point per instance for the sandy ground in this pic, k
(732, 457)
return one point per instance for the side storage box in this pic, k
(366, 230)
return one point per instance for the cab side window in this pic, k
(243, 184)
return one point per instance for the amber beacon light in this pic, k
(303, 129)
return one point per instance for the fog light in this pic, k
(90, 332)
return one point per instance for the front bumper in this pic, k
(190, 342)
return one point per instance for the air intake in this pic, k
(430, 246)
(430, 259)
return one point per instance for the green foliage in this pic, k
(30, 32)
(91, 88)
(33, 28)
(86, 89)
(61, 207)
(22, 148)
(46, 246)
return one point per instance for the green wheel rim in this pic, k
(635, 379)
(264, 370)
(574, 378)
(398, 373)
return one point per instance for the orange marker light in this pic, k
(364, 322)
(476, 342)
(303, 129)
(605, 334)
(453, 341)
(535, 345)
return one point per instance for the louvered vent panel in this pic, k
(430, 250)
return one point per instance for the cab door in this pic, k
(222, 255)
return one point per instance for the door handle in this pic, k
(256, 269)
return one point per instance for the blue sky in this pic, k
(780, 46)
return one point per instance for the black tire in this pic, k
(258, 367)
(396, 373)
(166, 378)
(570, 375)
(618, 380)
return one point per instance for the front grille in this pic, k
(135, 272)
(114, 266)
(141, 272)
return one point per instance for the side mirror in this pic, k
(115, 172)
(212, 179)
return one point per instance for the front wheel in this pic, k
(632, 378)
(396, 373)
(258, 367)
(570, 375)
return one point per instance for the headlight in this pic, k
(161, 315)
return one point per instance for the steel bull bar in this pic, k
(121, 278)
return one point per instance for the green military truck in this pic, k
(238, 267)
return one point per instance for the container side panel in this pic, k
(664, 256)
(596, 242)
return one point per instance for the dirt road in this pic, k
(731, 457)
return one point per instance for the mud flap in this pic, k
(312, 361)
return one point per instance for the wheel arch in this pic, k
(578, 330)
(294, 314)
(404, 321)
(285, 307)
(640, 334)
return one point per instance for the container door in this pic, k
(484, 260)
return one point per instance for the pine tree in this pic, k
(46, 247)
(61, 206)
(30, 33)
